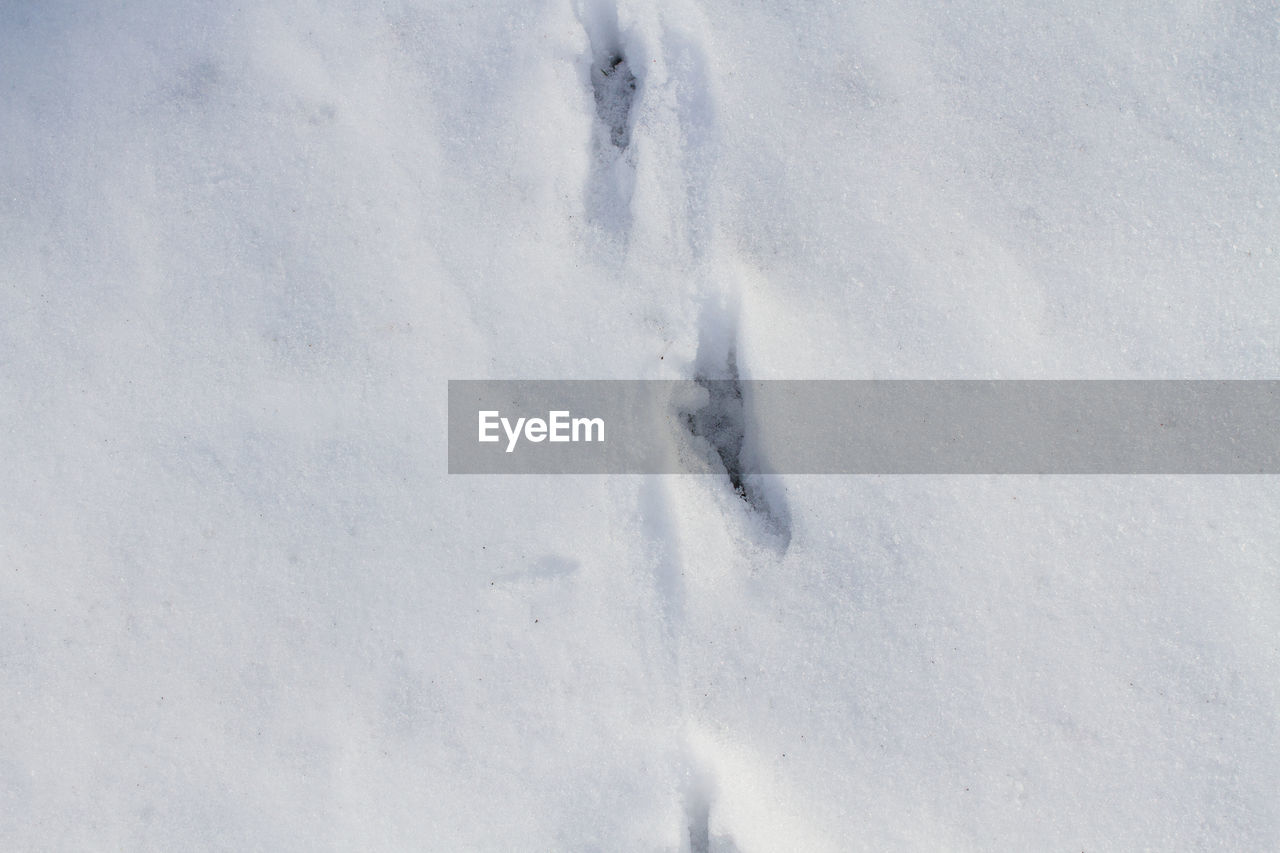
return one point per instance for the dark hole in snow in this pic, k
(615, 92)
(722, 422)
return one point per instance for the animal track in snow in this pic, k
(723, 423)
(615, 90)
(615, 93)
(698, 815)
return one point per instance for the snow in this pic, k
(243, 248)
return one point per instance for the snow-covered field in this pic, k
(244, 246)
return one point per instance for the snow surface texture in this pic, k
(242, 247)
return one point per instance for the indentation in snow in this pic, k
(615, 91)
(723, 423)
